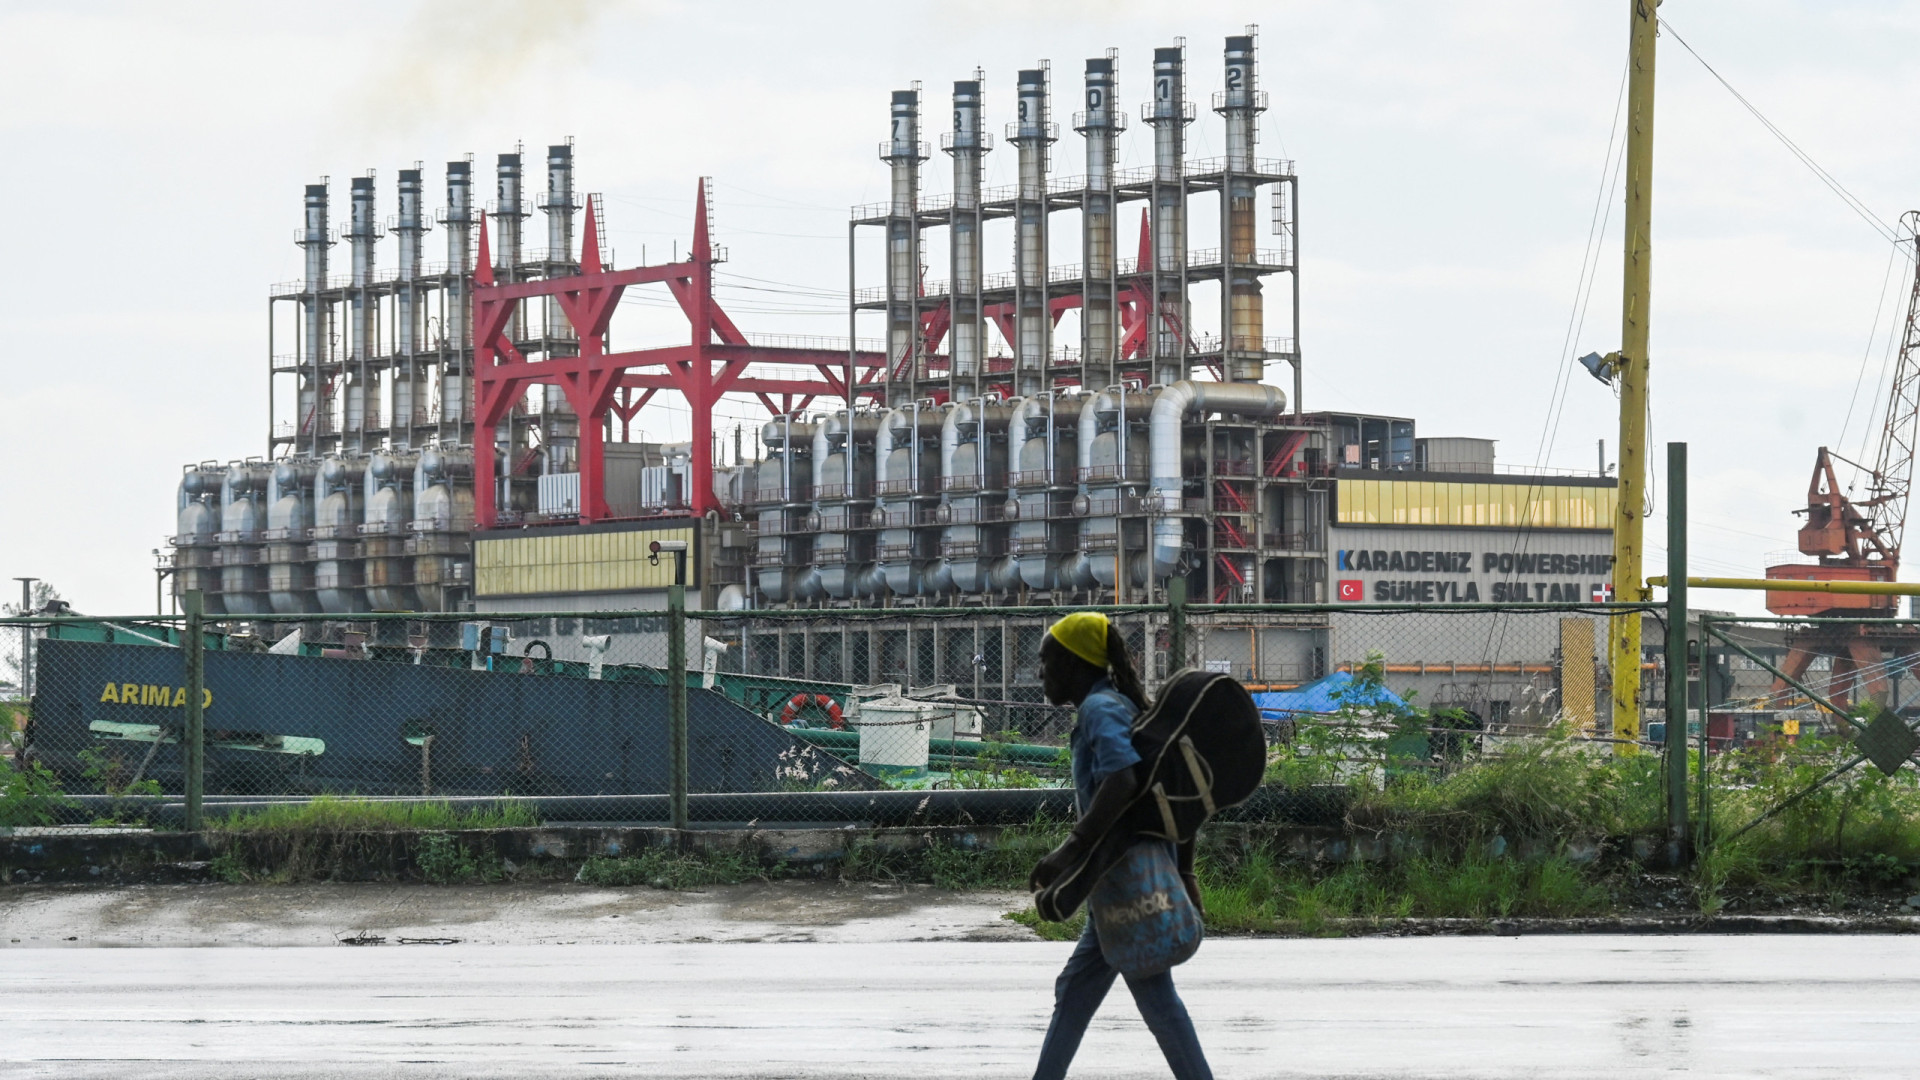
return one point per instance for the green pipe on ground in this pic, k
(970, 749)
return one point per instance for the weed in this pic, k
(443, 860)
(327, 813)
(231, 867)
(29, 795)
(1050, 931)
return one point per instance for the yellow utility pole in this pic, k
(1632, 367)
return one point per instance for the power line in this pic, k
(1825, 177)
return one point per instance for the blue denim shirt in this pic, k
(1102, 743)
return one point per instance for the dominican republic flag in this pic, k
(1351, 589)
(1602, 593)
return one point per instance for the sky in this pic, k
(1454, 165)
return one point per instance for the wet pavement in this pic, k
(1440, 1007)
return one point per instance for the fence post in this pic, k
(1176, 624)
(1676, 741)
(677, 703)
(1702, 804)
(193, 741)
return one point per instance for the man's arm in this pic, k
(1110, 800)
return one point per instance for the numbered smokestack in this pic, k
(362, 384)
(1032, 132)
(906, 367)
(317, 317)
(559, 207)
(967, 142)
(1169, 113)
(1241, 103)
(507, 215)
(408, 227)
(459, 329)
(1100, 123)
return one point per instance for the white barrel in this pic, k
(894, 737)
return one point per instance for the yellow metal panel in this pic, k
(590, 562)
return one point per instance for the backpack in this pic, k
(1201, 751)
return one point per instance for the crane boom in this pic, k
(1893, 469)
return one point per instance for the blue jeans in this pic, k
(1077, 994)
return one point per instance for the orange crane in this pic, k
(1858, 538)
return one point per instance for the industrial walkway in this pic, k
(1444, 1007)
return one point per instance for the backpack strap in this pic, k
(1166, 812)
(1202, 776)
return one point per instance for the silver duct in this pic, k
(1170, 408)
(385, 524)
(442, 517)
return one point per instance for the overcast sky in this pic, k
(1450, 158)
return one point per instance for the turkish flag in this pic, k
(1351, 589)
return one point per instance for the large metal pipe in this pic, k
(289, 517)
(1244, 321)
(442, 518)
(1101, 124)
(1169, 113)
(338, 508)
(904, 152)
(1032, 133)
(967, 334)
(1164, 433)
(384, 528)
(363, 386)
(508, 213)
(457, 325)
(317, 317)
(243, 516)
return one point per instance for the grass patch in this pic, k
(1003, 863)
(1050, 931)
(328, 813)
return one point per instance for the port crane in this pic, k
(1856, 535)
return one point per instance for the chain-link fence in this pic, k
(1801, 732)
(771, 716)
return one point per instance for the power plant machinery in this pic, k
(1857, 537)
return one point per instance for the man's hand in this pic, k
(1055, 863)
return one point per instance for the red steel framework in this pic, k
(715, 361)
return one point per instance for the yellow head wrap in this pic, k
(1084, 634)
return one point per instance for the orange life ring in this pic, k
(835, 718)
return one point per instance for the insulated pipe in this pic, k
(314, 242)
(1099, 317)
(289, 575)
(1033, 326)
(967, 143)
(1164, 448)
(1243, 321)
(904, 153)
(457, 327)
(1169, 113)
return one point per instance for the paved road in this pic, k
(1453, 1007)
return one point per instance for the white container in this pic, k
(894, 736)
